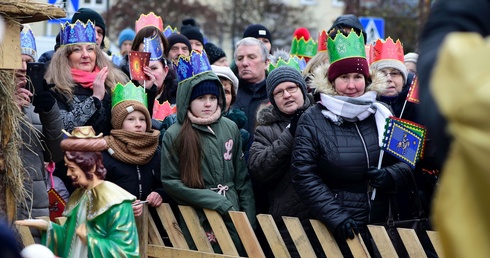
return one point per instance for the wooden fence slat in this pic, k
(142, 226)
(273, 236)
(357, 247)
(246, 233)
(195, 229)
(382, 241)
(299, 236)
(25, 235)
(171, 226)
(411, 242)
(170, 252)
(436, 242)
(326, 239)
(154, 236)
(221, 232)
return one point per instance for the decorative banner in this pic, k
(413, 92)
(404, 139)
(138, 60)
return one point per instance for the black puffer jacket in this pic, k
(329, 165)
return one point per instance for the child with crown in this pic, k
(202, 161)
(99, 214)
(337, 146)
(132, 158)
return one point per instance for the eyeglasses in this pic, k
(290, 90)
(393, 73)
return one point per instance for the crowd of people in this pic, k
(288, 135)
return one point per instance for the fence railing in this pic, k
(152, 244)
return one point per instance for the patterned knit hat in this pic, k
(214, 52)
(123, 109)
(284, 74)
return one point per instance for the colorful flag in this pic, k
(413, 92)
(138, 60)
(404, 139)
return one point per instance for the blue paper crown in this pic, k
(28, 42)
(190, 66)
(153, 46)
(169, 31)
(77, 33)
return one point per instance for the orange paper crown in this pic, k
(322, 41)
(160, 111)
(150, 19)
(387, 50)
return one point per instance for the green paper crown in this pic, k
(129, 92)
(303, 48)
(342, 47)
(292, 62)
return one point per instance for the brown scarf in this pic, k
(132, 148)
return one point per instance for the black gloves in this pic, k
(43, 101)
(380, 178)
(346, 229)
(294, 121)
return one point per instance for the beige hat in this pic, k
(226, 72)
(411, 57)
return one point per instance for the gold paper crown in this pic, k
(149, 20)
(388, 49)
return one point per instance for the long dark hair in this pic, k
(189, 150)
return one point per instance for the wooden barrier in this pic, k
(152, 245)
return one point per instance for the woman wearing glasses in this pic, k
(270, 153)
(336, 146)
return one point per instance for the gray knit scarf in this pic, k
(341, 108)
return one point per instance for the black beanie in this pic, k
(190, 21)
(284, 74)
(85, 14)
(178, 38)
(205, 87)
(257, 31)
(214, 52)
(192, 32)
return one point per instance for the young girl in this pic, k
(202, 161)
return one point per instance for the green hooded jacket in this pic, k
(223, 164)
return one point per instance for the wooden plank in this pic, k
(412, 243)
(382, 241)
(170, 252)
(221, 232)
(273, 235)
(196, 230)
(142, 226)
(10, 57)
(25, 235)
(171, 226)
(154, 236)
(60, 220)
(326, 239)
(246, 233)
(436, 242)
(357, 247)
(299, 236)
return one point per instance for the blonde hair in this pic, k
(59, 72)
(315, 61)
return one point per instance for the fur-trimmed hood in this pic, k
(319, 80)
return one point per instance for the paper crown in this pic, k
(148, 20)
(153, 46)
(369, 53)
(78, 32)
(342, 47)
(187, 67)
(169, 31)
(303, 48)
(322, 41)
(387, 49)
(298, 63)
(28, 42)
(129, 92)
(161, 111)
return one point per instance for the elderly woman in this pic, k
(83, 79)
(336, 146)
